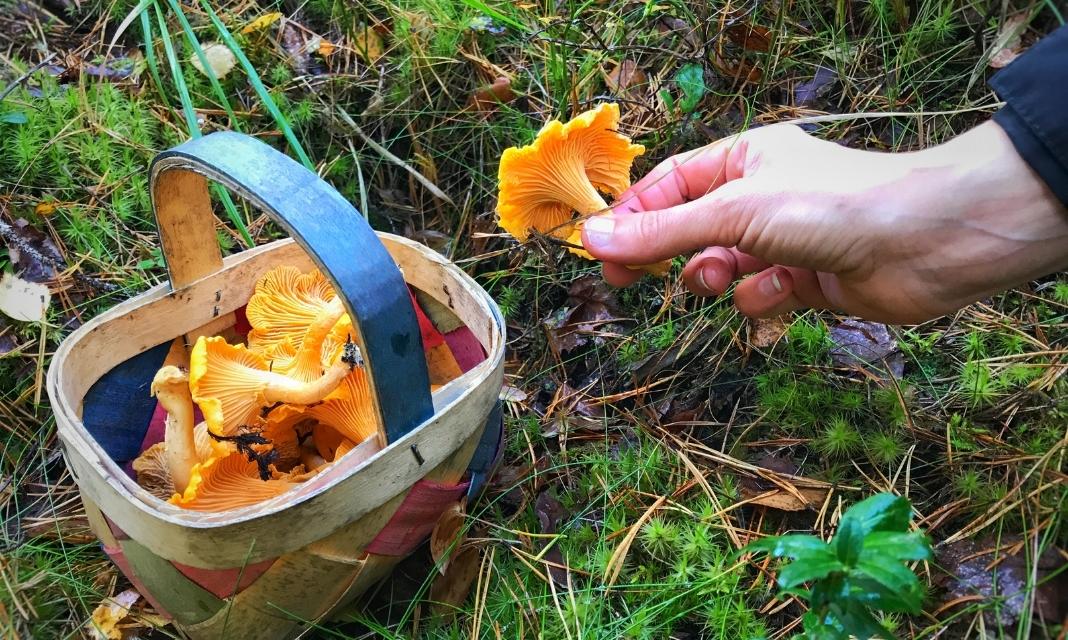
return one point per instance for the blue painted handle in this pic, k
(340, 242)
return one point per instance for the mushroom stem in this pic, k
(171, 387)
(309, 355)
(577, 190)
(321, 326)
(281, 388)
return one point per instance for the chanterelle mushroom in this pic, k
(564, 171)
(232, 481)
(232, 384)
(348, 411)
(292, 312)
(164, 468)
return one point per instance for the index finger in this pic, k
(684, 177)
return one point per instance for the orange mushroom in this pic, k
(291, 313)
(348, 412)
(233, 481)
(164, 468)
(232, 384)
(564, 171)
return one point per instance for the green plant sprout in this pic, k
(859, 572)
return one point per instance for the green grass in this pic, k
(973, 432)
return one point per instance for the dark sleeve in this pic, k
(1035, 90)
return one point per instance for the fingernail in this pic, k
(710, 275)
(598, 231)
(770, 286)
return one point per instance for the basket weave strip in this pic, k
(415, 518)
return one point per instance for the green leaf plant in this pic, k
(862, 570)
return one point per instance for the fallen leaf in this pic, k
(449, 591)
(1008, 45)
(262, 22)
(512, 394)
(32, 253)
(593, 309)
(488, 97)
(750, 37)
(8, 343)
(764, 492)
(293, 41)
(368, 44)
(626, 78)
(807, 92)
(219, 57)
(550, 513)
(997, 570)
(741, 69)
(862, 344)
(447, 536)
(23, 300)
(104, 623)
(764, 332)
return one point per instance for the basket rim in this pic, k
(77, 440)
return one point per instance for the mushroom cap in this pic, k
(349, 409)
(563, 171)
(227, 383)
(228, 483)
(169, 378)
(308, 363)
(285, 303)
(330, 443)
(153, 472)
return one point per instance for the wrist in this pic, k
(998, 223)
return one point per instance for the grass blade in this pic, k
(150, 58)
(194, 42)
(257, 85)
(191, 122)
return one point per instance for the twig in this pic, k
(385, 153)
(7, 232)
(19, 80)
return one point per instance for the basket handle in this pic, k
(333, 233)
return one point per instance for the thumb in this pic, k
(719, 218)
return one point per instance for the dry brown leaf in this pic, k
(450, 590)
(104, 623)
(626, 77)
(750, 37)
(1008, 45)
(764, 332)
(784, 501)
(768, 493)
(512, 394)
(369, 45)
(447, 536)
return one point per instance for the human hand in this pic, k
(897, 238)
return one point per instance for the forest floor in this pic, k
(643, 415)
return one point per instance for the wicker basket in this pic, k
(272, 569)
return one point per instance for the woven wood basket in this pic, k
(272, 569)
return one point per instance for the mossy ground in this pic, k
(604, 437)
